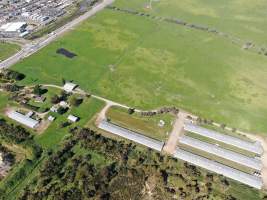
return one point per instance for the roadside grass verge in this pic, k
(7, 50)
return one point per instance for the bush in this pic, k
(74, 101)
(62, 110)
(38, 90)
(55, 99)
(13, 75)
(131, 111)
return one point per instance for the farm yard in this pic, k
(160, 64)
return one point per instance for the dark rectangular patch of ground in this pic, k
(66, 53)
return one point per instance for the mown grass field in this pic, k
(147, 63)
(148, 126)
(7, 49)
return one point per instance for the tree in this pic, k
(64, 124)
(55, 99)
(12, 87)
(74, 101)
(62, 110)
(63, 81)
(38, 90)
(64, 96)
(13, 75)
(131, 111)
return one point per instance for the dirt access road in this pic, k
(177, 130)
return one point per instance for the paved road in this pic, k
(35, 46)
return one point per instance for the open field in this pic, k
(145, 125)
(240, 18)
(7, 49)
(156, 65)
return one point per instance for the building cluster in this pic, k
(20, 17)
(33, 119)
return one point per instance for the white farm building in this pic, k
(23, 119)
(73, 118)
(69, 87)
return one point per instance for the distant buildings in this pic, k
(36, 13)
(13, 28)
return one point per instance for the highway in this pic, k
(38, 44)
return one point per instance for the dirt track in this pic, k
(178, 127)
(263, 141)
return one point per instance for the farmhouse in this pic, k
(23, 119)
(73, 118)
(69, 87)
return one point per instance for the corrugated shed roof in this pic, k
(23, 119)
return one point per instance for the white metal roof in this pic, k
(242, 144)
(72, 118)
(221, 152)
(234, 174)
(23, 119)
(218, 168)
(12, 26)
(69, 86)
(130, 135)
